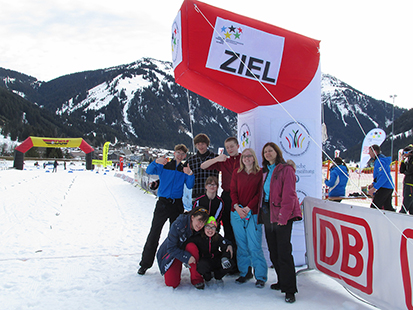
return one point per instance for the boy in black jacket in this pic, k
(215, 252)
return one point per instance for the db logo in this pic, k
(343, 248)
(404, 258)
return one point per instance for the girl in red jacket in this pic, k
(246, 187)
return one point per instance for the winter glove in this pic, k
(225, 263)
(154, 185)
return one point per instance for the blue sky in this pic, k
(366, 44)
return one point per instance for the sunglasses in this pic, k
(202, 210)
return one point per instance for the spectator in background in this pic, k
(406, 167)
(55, 164)
(382, 187)
(338, 179)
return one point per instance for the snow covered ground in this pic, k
(73, 240)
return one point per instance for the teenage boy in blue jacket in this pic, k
(172, 177)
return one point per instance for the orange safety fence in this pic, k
(358, 180)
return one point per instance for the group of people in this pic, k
(251, 197)
(382, 187)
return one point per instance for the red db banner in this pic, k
(368, 251)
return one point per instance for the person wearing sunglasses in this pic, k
(406, 167)
(176, 249)
(246, 184)
(211, 199)
(173, 175)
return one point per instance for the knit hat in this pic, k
(212, 221)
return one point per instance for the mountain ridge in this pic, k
(140, 103)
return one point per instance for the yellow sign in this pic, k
(53, 142)
(104, 162)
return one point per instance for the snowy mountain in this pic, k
(140, 103)
(350, 114)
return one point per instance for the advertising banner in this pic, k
(268, 75)
(368, 251)
(296, 129)
(374, 136)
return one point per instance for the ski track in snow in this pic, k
(74, 240)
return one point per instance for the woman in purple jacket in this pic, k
(280, 207)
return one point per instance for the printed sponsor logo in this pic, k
(245, 136)
(376, 134)
(406, 263)
(294, 138)
(175, 41)
(343, 248)
(55, 142)
(176, 44)
(244, 51)
(231, 33)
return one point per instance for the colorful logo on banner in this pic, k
(232, 33)
(294, 138)
(246, 52)
(343, 248)
(55, 142)
(176, 43)
(245, 136)
(374, 136)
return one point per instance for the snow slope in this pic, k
(73, 240)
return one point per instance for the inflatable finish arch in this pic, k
(51, 142)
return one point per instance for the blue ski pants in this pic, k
(248, 236)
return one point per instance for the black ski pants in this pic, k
(382, 199)
(280, 248)
(407, 199)
(165, 209)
